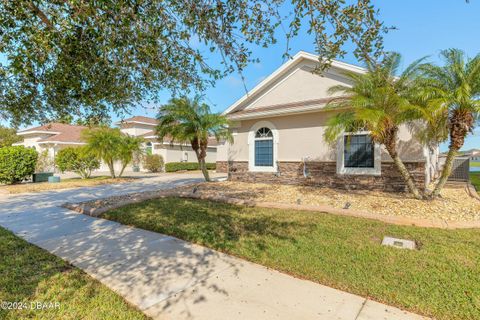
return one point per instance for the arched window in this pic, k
(149, 148)
(264, 147)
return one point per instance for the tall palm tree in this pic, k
(377, 102)
(104, 143)
(187, 120)
(453, 90)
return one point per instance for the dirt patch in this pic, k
(455, 204)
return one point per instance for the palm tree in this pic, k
(128, 147)
(377, 102)
(186, 120)
(104, 143)
(454, 91)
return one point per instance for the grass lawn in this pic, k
(30, 274)
(441, 279)
(475, 179)
(474, 163)
(63, 184)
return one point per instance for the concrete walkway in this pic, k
(168, 278)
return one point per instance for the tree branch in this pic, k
(39, 13)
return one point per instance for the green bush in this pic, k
(16, 163)
(180, 166)
(153, 162)
(77, 159)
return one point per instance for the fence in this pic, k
(461, 169)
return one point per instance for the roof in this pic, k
(281, 71)
(57, 133)
(280, 109)
(139, 119)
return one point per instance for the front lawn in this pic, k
(475, 179)
(29, 274)
(63, 184)
(440, 280)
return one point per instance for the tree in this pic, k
(92, 57)
(128, 147)
(186, 120)
(378, 102)
(453, 93)
(104, 142)
(8, 136)
(77, 159)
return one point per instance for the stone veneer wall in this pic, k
(325, 174)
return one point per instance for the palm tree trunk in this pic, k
(121, 171)
(203, 167)
(461, 123)
(407, 177)
(446, 171)
(111, 168)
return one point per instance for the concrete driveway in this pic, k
(168, 278)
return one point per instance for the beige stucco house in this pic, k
(171, 152)
(278, 132)
(54, 136)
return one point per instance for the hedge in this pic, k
(180, 166)
(16, 163)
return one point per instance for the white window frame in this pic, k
(251, 147)
(377, 158)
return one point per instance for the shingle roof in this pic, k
(60, 132)
(141, 119)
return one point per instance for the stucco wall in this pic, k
(176, 153)
(136, 129)
(299, 85)
(301, 136)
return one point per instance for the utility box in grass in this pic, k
(53, 179)
(42, 176)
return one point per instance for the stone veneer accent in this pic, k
(325, 174)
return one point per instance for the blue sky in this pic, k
(423, 28)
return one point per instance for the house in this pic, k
(278, 129)
(54, 136)
(51, 138)
(170, 151)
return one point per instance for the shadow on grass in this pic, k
(207, 223)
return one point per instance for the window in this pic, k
(149, 148)
(264, 148)
(358, 151)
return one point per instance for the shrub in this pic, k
(77, 159)
(153, 162)
(16, 163)
(180, 166)
(44, 162)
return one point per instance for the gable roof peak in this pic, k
(284, 68)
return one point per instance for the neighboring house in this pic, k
(278, 132)
(171, 152)
(475, 155)
(55, 136)
(51, 137)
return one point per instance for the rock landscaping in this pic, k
(457, 208)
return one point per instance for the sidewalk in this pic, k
(168, 278)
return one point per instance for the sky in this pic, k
(423, 28)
